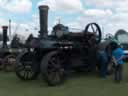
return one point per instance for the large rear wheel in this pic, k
(52, 68)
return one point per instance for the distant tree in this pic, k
(30, 37)
(28, 40)
(15, 43)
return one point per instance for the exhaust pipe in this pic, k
(5, 37)
(43, 21)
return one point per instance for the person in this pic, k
(103, 58)
(117, 58)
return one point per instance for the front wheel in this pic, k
(26, 66)
(52, 68)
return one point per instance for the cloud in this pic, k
(1, 14)
(122, 6)
(117, 5)
(98, 12)
(16, 6)
(63, 5)
(119, 17)
(99, 3)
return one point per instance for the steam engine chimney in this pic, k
(5, 37)
(43, 20)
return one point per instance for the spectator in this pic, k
(117, 58)
(103, 58)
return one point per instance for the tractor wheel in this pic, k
(9, 63)
(52, 68)
(26, 66)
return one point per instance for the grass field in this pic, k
(78, 85)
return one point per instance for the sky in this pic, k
(111, 15)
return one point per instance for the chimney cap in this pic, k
(5, 27)
(43, 7)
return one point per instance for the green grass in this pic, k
(78, 85)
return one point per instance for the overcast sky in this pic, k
(111, 15)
